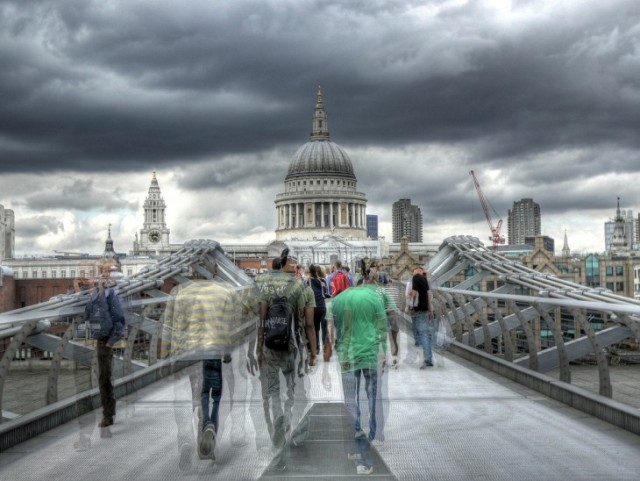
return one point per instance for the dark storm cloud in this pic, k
(542, 101)
(232, 171)
(80, 194)
(90, 85)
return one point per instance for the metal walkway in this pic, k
(456, 422)
(460, 421)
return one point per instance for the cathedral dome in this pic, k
(320, 157)
(320, 196)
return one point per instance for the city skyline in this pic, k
(216, 98)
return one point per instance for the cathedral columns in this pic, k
(354, 219)
(290, 216)
(331, 225)
(355, 215)
(317, 214)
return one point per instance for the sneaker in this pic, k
(326, 381)
(362, 469)
(297, 437)
(107, 421)
(82, 444)
(394, 362)
(426, 365)
(360, 434)
(239, 439)
(281, 465)
(377, 443)
(205, 447)
(185, 457)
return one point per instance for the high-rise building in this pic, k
(7, 233)
(407, 221)
(523, 221)
(372, 226)
(630, 228)
(608, 234)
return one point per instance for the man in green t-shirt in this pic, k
(360, 319)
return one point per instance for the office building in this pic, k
(407, 221)
(523, 221)
(372, 227)
(7, 233)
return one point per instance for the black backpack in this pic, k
(277, 325)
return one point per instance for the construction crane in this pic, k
(496, 237)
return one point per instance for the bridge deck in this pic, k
(456, 422)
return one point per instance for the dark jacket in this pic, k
(319, 291)
(106, 316)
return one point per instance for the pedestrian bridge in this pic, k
(499, 405)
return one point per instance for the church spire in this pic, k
(566, 252)
(320, 122)
(109, 252)
(619, 238)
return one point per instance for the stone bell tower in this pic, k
(154, 235)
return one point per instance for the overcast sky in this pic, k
(540, 98)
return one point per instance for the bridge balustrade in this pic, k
(532, 322)
(527, 325)
(48, 364)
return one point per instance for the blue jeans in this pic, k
(351, 381)
(424, 329)
(211, 387)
